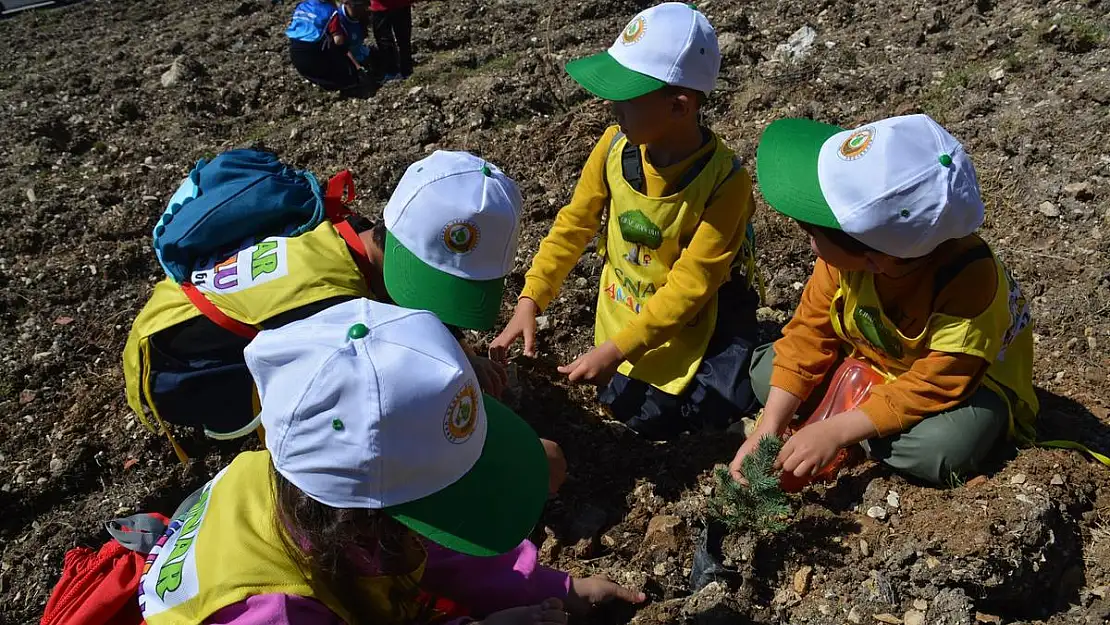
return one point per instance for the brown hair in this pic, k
(329, 543)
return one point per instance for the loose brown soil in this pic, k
(93, 144)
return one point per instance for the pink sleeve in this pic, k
(274, 609)
(486, 585)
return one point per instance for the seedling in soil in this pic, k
(759, 506)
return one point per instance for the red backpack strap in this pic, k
(340, 191)
(358, 250)
(215, 315)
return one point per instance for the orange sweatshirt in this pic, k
(693, 279)
(938, 382)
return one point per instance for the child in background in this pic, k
(348, 29)
(674, 327)
(388, 481)
(903, 283)
(318, 47)
(392, 24)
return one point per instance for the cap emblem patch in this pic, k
(857, 144)
(634, 31)
(461, 237)
(462, 415)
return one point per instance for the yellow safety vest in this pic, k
(228, 548)
(1002, 335)
(644, 238)
(275, 276)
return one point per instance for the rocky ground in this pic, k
(106, 105)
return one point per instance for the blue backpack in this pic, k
(232, 202)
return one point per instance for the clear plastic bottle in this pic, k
(850, 386)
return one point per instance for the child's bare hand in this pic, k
(596, 366)
(523, 324)
(492, 377)
(809, 449)
(550, 612)
(586, 592)
(734, 467)
(338, 39)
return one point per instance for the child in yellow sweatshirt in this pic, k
(676, 205)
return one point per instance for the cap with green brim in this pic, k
(412, 283)
(786, 167)
(495, 505)
(607, 79)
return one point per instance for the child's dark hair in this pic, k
(378, 234)
(328, 543)
(838, 238)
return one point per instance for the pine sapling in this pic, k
(759, 506)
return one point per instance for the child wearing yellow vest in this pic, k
(388, 482)
(903, 283)
(678, 205)
(448, 238)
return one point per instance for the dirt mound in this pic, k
(104, 106)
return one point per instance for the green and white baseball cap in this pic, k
(372, 406)
(901, 185)
(452, 231)
(668, 44)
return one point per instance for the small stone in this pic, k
(543, 322)
(662, 532)
(41, 481)
(1023, 498)
(932, 562)
(31, 194)
(824, 609)
(877, 512)
(662, 569)
(1079, 190)
(893, 500)
(976, 481)
(920, 604)
(415, 91)
(802, 578)
(294, 133)
(797, 47)
(888, 618)
(1057, 480)
(1048, 209)
(26, 396)
(997, 74)
(864, 548)
(1018, 479)
(56, 466)
(913, 617)
(983, 617)
(63, 321)
(175, 73)
(854, 616)
(40, 356)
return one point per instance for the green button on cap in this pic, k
(945, 160)
(358, 331)
(337, 425)
(486, 170)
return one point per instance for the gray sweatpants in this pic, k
(940, 449)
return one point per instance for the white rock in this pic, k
(543, 322)
(175, 73)
(1048, 209)
(854, 616)
(893, 500)
(1057, 480)
(1018, 479)
(914, 617)
(56, 466)
(997, 74)
(31, 194)
(877, 512)
(797, 47)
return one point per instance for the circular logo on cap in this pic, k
(461, 237)
(462, 415)
(634, 31)
(857, 144)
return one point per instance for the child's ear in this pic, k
(684, 104)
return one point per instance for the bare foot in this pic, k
(550, 612)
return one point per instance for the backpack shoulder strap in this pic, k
(947, 273)
(632, 166)
(214, 314)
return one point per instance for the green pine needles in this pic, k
(760, 506)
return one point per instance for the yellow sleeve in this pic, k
(574, 226)
(697, 274)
